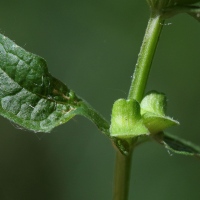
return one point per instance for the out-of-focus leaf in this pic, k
(193, 11)
(160, 5)
(178, 145)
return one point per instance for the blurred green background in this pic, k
(92, 46)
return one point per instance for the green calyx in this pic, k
(131, 119)
(126, 121)
(153, 108)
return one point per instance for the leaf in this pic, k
(153, 108)
(32, 98)
(29, 95)
(126, 121)
(178, 145)
(193, 11)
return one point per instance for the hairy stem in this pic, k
(122, 176)
(140, 76)
(145, 57)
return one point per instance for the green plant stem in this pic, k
(140, 76)
(122, 176)
(145, 57)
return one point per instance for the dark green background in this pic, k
(92, 46)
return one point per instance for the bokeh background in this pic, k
(92, 46)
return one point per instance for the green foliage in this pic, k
(31, 97)
(178, 145)
(193, 11)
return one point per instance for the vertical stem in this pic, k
(140, 76)
(145, 58)
(122, 176)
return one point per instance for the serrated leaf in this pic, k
(126, 120)
(153, 108)
(32, 98)
(178, 145)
